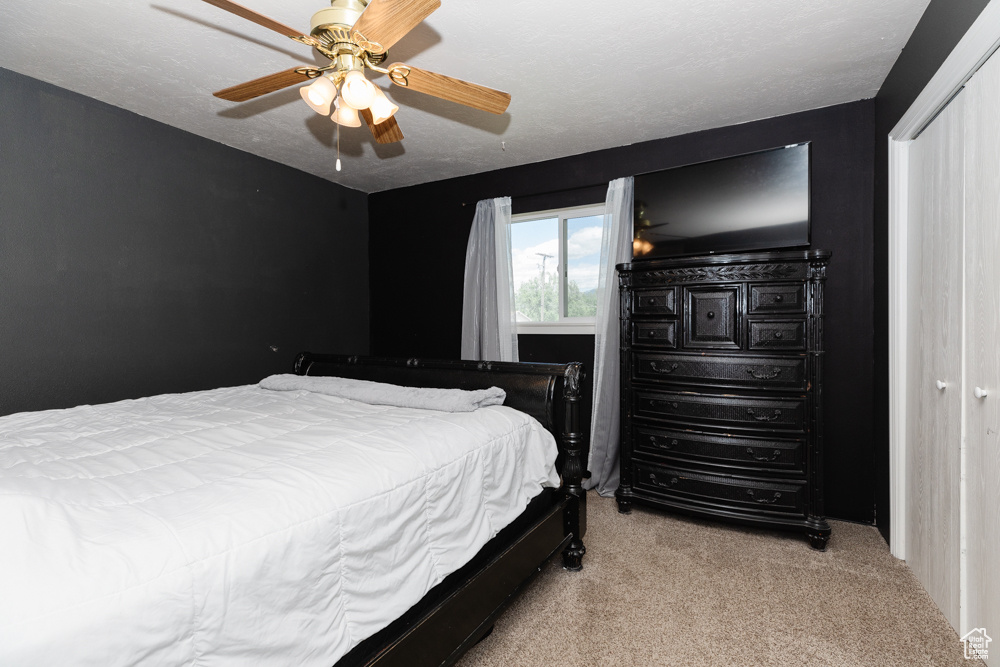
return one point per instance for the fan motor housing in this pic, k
(341, 14)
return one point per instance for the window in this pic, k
(556, 258)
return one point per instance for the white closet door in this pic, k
(981, 585)
(934, 427)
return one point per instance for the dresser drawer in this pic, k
(711, 319)
(721, 370)
(661, 301)
(787, 298)
(737, 492)
(721, 449)
(654, 334)
(778, 335)
(787, 414)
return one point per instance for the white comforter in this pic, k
(243, 526)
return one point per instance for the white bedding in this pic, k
(380, 393)
(243, 526)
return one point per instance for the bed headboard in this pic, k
(548, 392)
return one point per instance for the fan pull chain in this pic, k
(338, 146)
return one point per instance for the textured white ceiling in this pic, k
(584, 75)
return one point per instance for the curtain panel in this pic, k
(616, 248)
(489, 332)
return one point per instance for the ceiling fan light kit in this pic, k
(382, 109)
(356, 90)
(320, 94)
(345, 114)
(355, 35)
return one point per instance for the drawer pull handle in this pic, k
(777, 334)
(778, 298)
(711, 314)
(766, 501)
(651, 301)
(651, 333)
(673, 367)
(764, 418)
(765, 457)
(656, 442)
(652, 478)
(979, 392)
(765, 375)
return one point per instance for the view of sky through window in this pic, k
(537, 263)
(583, 246)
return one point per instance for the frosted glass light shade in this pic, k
(381, 108)
(357, 91)
(319, 95)
(345, 115)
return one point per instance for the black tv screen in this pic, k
(756, 201)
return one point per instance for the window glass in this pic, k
(535, 262)
(583, 265)
(556, 257)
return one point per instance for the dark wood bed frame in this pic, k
(461, 610)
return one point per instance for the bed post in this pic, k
(573, 469)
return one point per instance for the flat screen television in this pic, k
(756, 201)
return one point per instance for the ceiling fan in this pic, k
(355, 35)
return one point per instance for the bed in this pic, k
(287, 524)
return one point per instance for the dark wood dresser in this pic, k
(722, 366)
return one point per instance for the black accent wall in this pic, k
(138, 259)
(941, 27)
(418, 237)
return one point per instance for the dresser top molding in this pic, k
(728, 258)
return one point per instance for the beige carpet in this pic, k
(658, 589)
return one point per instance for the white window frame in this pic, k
(564, 325)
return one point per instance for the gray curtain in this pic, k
(489, 331)
(616, 247)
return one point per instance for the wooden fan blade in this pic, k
(263, 85)
(386, 132)
(447, 88)
(386, 21)
(259, 19)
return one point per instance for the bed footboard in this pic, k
(548, 392)
(573, 469)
